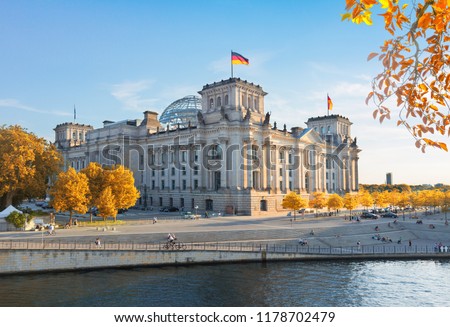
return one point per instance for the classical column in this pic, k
(223, 168)
(275, 171)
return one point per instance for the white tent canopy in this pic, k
(7, 211)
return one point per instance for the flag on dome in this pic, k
(237, 59)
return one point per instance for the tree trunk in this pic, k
(9, 199)
(70, 218)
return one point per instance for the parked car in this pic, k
(389, 215)
(368, 215)
(46, 205)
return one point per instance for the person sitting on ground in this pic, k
(376, 228)
(311, 232)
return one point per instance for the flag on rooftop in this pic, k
(330, 103)
(237, 59)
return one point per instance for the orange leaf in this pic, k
(372, 55)
(443, 146)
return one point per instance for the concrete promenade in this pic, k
(214, 239)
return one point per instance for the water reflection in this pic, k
(341, 283)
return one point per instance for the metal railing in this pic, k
(224, 246)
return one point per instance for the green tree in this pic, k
(70, 192)
(294, 202)
(27, 162)
(18, 219)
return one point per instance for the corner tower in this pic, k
(233, 99)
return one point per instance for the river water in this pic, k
(420, 283)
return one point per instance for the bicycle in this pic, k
(174, 246)
(50, 233)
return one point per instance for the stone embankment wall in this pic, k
(26, 261)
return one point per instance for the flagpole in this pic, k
(328, 105)
(231, 63)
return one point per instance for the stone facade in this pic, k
(235, 160)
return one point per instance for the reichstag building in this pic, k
(220, 152)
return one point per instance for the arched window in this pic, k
(243, 101)
(219, 101)
(226, 99)
(74, 135)
(328, 129)
(256, 104)
(321, 130)
(211, 103)
(249, 101)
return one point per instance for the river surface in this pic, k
(420, 283)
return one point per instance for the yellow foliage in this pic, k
(121, 181)
(318, 201)
(105, 204)
(335, 202)
(70, 192)
(350, 201)
(26, 163)
(416, 58)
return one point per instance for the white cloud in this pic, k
(129, 93)
(16, 104)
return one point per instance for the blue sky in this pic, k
(115, 59)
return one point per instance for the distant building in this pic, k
(389, 180)
(231, 158)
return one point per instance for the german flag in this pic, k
(330, 103)
(237, 59)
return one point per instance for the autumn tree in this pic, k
(121, 181)
(365, 199)
(335, 202)
(350, 202)
(70, 192)
(95, 174)
(318, 201)
(26, 164)
(415, 75)
(446, 203)
(106, 204)
(294, 202)
(381, 200)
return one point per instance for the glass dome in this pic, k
(182, 112)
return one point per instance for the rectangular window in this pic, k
(153, 173)
(183, 171)
(183, 156)
(163, 172)
(196, 170)
(195, 184)
(281, 171)
(162, 185)
(160, 201)
(181, 203)
(173, 184)
(153, 185)
(184, 185)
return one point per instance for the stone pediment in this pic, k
(309, 135)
